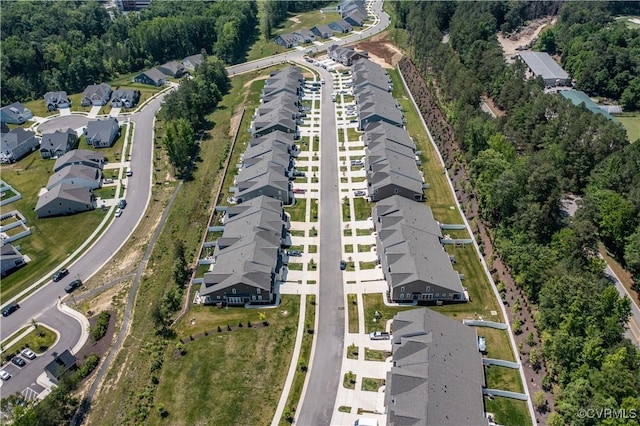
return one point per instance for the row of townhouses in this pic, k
(248, 258)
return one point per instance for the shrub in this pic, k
(98, 331)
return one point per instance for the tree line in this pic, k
(522, 166)
(275, 12)
(68, 45)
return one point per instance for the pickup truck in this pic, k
(379, 335)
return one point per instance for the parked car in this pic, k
(343, 265)
(379, 335)
(73, 285)
(294, 253)
(356, 162)
(322, 80)
(298, 191)
(482, 344)
(129, 171)
(28, 353)
(359, 193)
(10, 309)
(122, 203)
(60, 275)
(105, 181)
(118, 212)
(299, 174)
(18, 361)
(4, 375)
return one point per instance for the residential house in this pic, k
(305, 36)
(374, 111)
(367, 73)
(190, 63)
(16, 144)
(347, 6)
(96, 95)
(102, 133)
(322, 31)
(78, 175)
(287, 40)
(56, 100)
(273, 121)
(55, 144)
(270, 151)
(355, 18)
(345, 55)
(10, 259)
(259, 214)
(282, 98)
(85, 157)
(437, 376)
(65, 199)
(277, 138)
(16, 113)
(60, 365)
(380, 130)
(152, 77)
(391, 170)
(414, 262)
(341, 26)
(172, 69)
(126, 98)
(263, 178)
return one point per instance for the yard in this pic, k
(372, 303)
(298, 210)
(514, 411)
(631, 122)
(362, 208)
(235, 377)
(353, 313)
(38, 340)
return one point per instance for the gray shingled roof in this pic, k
(274, 137)
(74, 171)
(255, 204)
(56, 140)
(438, 374)
(101, 130)
(76, 155)
(15, 138)
(375, 132)
(65, 191)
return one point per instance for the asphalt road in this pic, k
(633, 325)
(41, 305)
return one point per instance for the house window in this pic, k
(428, 289)
(402, 289)
(437, 294)
(258, 290)
(395, 191)
(401, 295)
(233, 291)
(218, 297)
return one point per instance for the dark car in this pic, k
(73, 285)
(299, 174)
(60, 275)
(294, 253)
(10, 309)
(18, 361)
(343, 265)
(122, 203)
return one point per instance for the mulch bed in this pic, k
(100, 347)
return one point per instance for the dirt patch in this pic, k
(295, 19)
(381, 51)
(524, 36)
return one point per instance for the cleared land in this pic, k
(632, 124)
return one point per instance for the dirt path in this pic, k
(523, 36)
(444, 138)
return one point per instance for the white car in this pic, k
(28, 353)
(4, 375)
(322, 81)
(118, 212)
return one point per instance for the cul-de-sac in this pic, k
(316, 212)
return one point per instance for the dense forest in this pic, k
(522, 166)
(275, 12)
(67, 45)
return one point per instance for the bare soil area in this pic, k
(381, 51)
(524, 36)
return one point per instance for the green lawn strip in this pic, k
(313, 248)
(298, 210)
(502, 378)
(349, 380)
(352, 301)
(132, 395)
(346, 212)
(312, 265)
(316, 143)
(297, 233)
(202, 269)
(363, 232)
(364, 248)
(373, 302)
(352, 351)
(498, 345)
(348, 248)
(362, 208)
(302, 168)
(375, 355)
(348, 98)
(344, 180)
(348, 233)
(631, 123)
(508, 411)
(314, 209)
(294, 266)
(299, 248)
(367, 265)
(304, 145)
(456, 234)
(372, 385)
(293, 400)
(353, 135)
(344, 409)
(105, 193)
(340, 136)
(38, 340)
(247, 362)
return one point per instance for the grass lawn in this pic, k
(375, 354)
(349, 380)
(344, 409)
(364, 248)
(38, 340)
(503, 378)
(299, 248)
(353, 313)
(363, 232)
(358, 179)
(352, 351)
(314, 209)
(362, 208)
(294, 266)
(105, 193)
(508, 411)
(237, 376)
(372, 303)
(306, 20)
(340, 136)
(348, 98)
(631, 122)
(498, 346)
(313, 248)
(353, 135)
(297, 233)
(303, 361)
(367, 265)
(298, 210)
(346, 212)
(348, 248)
(372, 385)
(348, 233)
